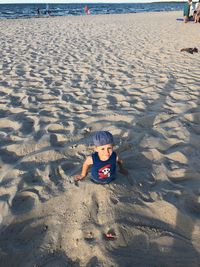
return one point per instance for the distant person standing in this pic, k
(38, 11)
(87, 11)
(197, 5)
(187, 10)
(196, 16)
(47, 11)
(191, 11)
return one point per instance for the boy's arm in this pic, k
(121, 167)
(87, 163)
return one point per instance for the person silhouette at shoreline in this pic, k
(38, 11)
(187, 11)
(87, 10)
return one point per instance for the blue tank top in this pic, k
(103, 172)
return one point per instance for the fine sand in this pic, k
(62, 79)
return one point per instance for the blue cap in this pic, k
(102, 138)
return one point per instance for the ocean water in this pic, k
(11, 11)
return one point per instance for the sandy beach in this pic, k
(63, 78)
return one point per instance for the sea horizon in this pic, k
(14, 11)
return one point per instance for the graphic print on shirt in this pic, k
(104, 172)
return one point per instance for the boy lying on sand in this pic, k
(103, 160)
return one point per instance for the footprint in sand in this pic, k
(114, 200)
(192, 203)
(27, 124)
(24, 202)
(94, 208)
(89, 236)
(56, 258)
(57, 140)
(90, 233)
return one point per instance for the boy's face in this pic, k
(104, 151)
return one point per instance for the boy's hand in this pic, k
(123, 171)
(79, 177)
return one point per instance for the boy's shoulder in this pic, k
(89, 159)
